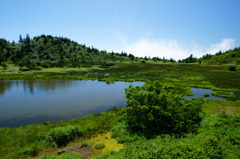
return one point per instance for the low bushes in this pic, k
(61, 136)
(232, 68)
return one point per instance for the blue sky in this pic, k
(169, 28)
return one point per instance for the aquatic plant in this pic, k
(206, 95)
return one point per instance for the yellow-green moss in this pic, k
(110, 143)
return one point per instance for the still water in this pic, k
(35, 101)
(199, 92)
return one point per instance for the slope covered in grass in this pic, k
(228, 57)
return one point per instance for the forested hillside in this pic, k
(48, 51)
(228, 57)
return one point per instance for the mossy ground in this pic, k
(111, 144)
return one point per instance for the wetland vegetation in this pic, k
(158, 122)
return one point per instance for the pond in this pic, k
(35, 101)
(199, 92)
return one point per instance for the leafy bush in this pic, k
(38, 68)
(122, 135)
(4, 65)
(47, 122)
(99, 146)
(28, 151)
(233, 68)
(157, 109)
(63, 135)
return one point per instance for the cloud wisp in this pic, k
(224, 45)
(158, 48)
(173, 49)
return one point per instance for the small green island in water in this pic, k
(138, 107)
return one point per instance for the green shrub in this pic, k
(233, 68)
(47, 123)
(38, 68)
(4, 65)
(99, 146)
(157, 109)
(28, 151)
(63, 135)
(122, 135)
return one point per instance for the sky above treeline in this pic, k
(155, 28)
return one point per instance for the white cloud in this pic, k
(224, 45)
(158, 48)
(173, 49)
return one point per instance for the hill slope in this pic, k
(49, 51)
(228, 57)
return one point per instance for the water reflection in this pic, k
(32, 101)
(4, 86)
